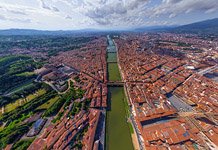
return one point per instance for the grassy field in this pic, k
(20, 87)
(117, 129)
(113, 72)
(20, 102)
(48, 103)
(1, 127)
(26, 74)
(111, 57)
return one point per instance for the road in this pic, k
(139, 137)
(101, 129)
(202, 72)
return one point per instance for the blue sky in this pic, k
(102, 14)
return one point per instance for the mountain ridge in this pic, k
(209, 26)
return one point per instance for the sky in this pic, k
(102, 14)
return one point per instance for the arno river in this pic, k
(118, 135)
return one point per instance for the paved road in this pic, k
(141, 143)
(102, 129)
(202, 72)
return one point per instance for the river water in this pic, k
(118, 135)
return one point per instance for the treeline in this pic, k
(78, 106)
(65, 100)
(22, 144)
(9, 59)
(14, 71)
(9, 135)
(14, 129)
(52, 44)
(26, 108)
(30, 89)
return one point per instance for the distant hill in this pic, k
(154, 28)
(27, 32)
(44, 32)
(203, 27)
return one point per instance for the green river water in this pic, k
(118, 135)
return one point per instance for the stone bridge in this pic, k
(115, 83)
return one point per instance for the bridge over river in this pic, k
(115, 83)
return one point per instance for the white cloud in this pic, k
(72, 14)
(177, 7)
